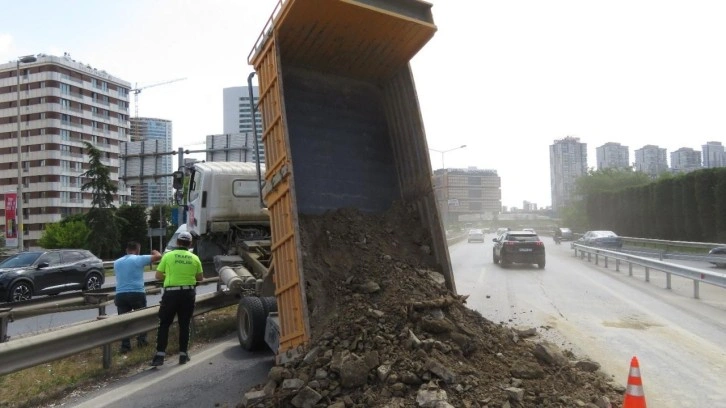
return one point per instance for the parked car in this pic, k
(519, 247)
(718, 251)
(475, 235)
(601, 239)
(34, 273)
(564, 234)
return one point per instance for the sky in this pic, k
(504, 78)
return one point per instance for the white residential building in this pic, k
(63, 103)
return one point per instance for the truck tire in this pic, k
(269, 303)
(251, 320)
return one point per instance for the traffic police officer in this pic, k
(180, 270)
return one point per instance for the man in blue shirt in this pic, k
(130, 292)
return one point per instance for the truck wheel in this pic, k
(251, 320)
(269, 303)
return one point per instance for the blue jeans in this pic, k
(126, 302)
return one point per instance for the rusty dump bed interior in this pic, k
(342, 125)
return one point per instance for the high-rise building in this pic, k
(713, 155)
(612, 156)
(651, 160)
(685, 160)
(471, 191)
(159, 191)
(238, 114)
(63, 103)
(568, 162)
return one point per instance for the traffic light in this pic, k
(178, 179)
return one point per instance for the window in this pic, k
(65, 89)
(65, 103)
(475, 206)
(73, 256)
(53, 258)
(474, 193)
(65, 134)
(245, 188)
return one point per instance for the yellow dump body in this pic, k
(342, 126)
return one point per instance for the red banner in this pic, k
(11, 223)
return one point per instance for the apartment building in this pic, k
(468, 191)
(63, 103)
(713, 155)
(568, 162)
(612, 156)
(651, 160)
(685, 160)
(237, 114)
(159, 191)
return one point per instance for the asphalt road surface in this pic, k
(218, 376)
(609, 317)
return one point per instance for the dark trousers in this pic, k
(179, 303)
(126, 302)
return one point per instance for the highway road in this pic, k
(596, 312)
(609, 317)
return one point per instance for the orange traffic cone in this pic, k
(634, 395)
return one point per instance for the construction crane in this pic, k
(136, 91)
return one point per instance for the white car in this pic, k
(475, 235)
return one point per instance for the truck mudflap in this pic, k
(342, 127)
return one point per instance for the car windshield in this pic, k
(603, 234)
(20, 260)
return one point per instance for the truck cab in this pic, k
(224, 207)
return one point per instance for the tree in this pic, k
(610, 180)
(71, 234)
(103, 237)
(154, 217)
(132, 226)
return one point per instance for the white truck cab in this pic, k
(222, 194)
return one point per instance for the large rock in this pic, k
(433, 325)
(306, 398)
(587, 365)
(252, 397)
(527, 371)
(441, 371)
(353, 372)
(428, 398)
(550, 354)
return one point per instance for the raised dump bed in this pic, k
(342, 127)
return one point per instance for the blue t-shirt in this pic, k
(129, 271)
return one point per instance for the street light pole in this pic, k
(446, 179)
(444, 152)
(19, 199)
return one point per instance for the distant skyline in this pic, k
(504, 78)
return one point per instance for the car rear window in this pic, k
(522, 237)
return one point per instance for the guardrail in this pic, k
(696, 274)
(42, 348)
(95, 299)
(667, 244)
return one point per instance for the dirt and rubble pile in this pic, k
(386, 332)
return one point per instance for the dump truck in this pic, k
(342, 128)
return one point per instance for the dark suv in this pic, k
(28, 274)
(519, 247)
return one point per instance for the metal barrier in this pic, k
(697, 275)
(42, 348)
